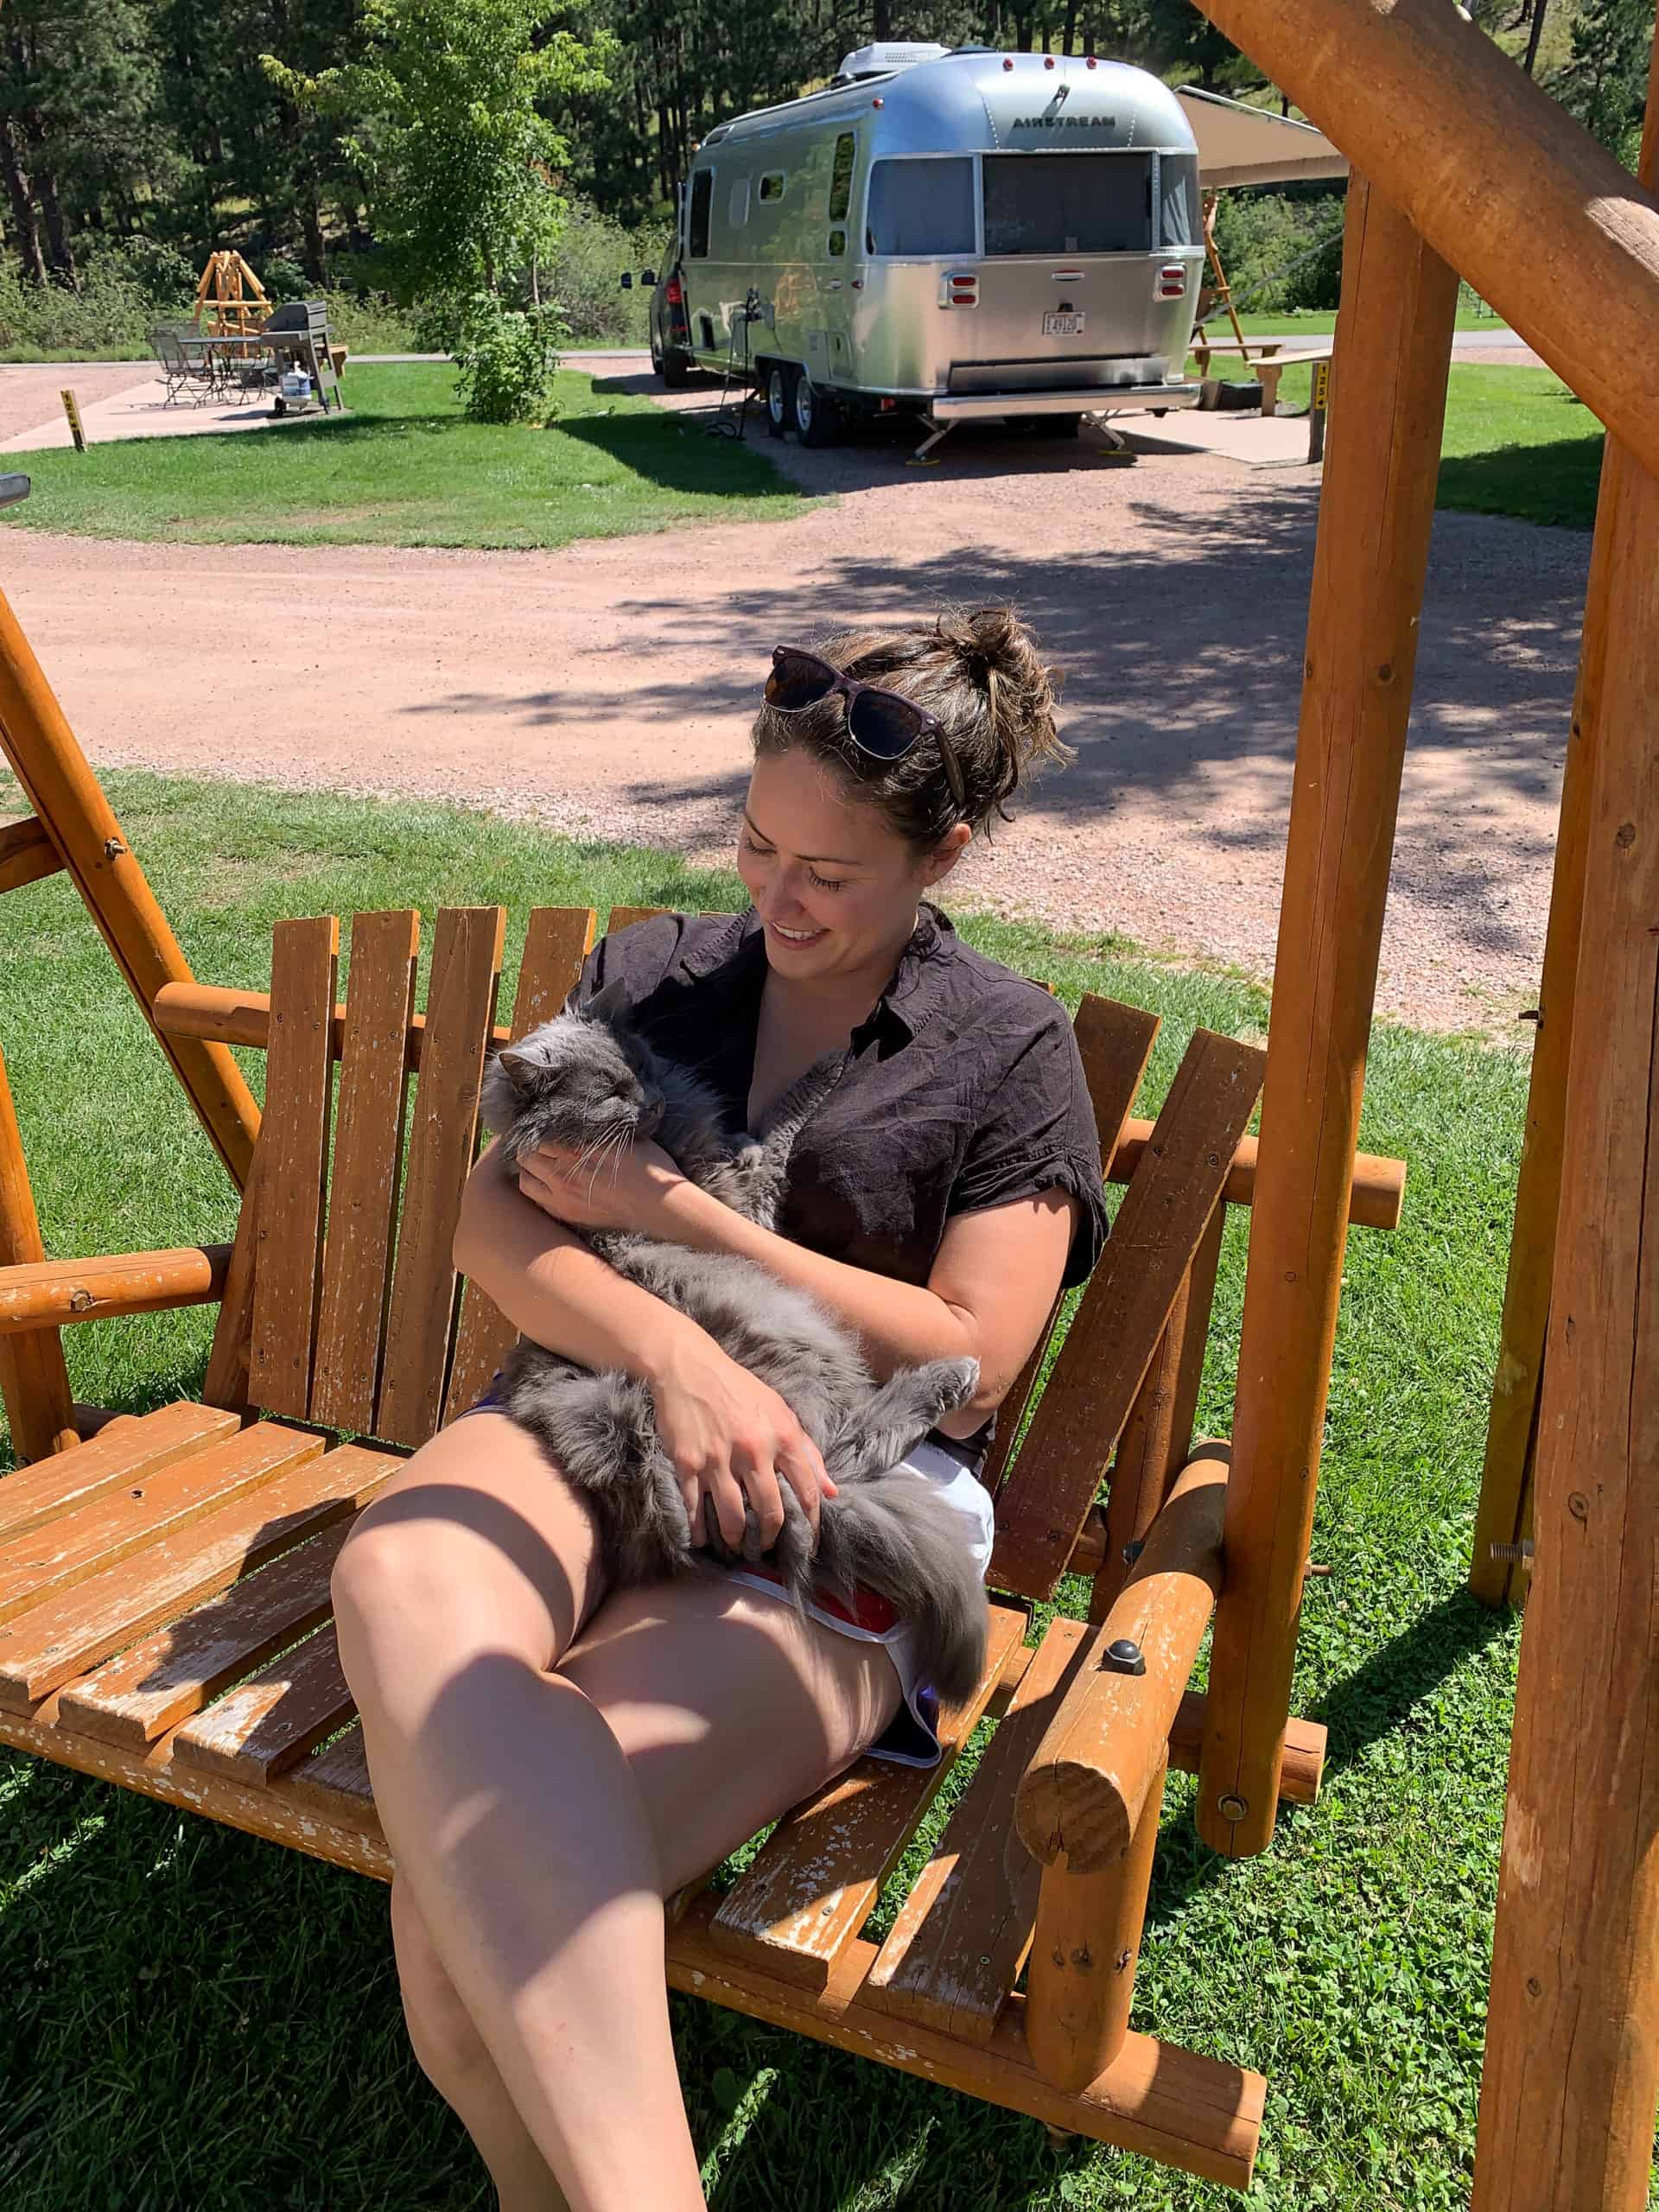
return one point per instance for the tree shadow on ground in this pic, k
(1509, 479)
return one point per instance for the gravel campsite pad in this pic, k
(604, 688)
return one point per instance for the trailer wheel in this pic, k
(780, 400)
(817, 419)
(675, 370)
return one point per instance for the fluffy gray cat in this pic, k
(590, 1083)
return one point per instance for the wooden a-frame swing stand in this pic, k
(137, 1638)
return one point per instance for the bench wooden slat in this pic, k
(127, 1452)
(962, 1936)
(811, 1888)
(294, 1137)
(1114, 1043)
(368, 1151)
(443, 1137)
(65, 1552)
(229, 1362)
(1122, 1314)
(622, 917)
(45, 1645)
(155, 1684)
(153, 1589)
(271, 1721)
(556, 943)
(335, 1781)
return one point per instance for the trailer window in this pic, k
(737, 207)
(696, 229)
(772, 187)
(1068, 203)
(1179, 222)
(841, 177)
(921, 206)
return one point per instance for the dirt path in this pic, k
(604, 688)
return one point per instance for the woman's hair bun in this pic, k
(976, 669)
(997, 652)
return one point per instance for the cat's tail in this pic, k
(889, 1533)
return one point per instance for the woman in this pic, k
(551, 1760)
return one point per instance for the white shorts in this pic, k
(911, 1736)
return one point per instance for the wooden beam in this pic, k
(233, 1017)
(50, 1292)
(60, 786)
(1477, 158)
(1572, 2071)
(26, 854)
(1394, 332)
(34, 1380)
(1081, 1799)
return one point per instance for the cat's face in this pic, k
(570, 1084)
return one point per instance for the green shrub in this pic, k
(583, 272)
(125, 290)
(505, 359)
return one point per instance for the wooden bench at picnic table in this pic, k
(164, 1586)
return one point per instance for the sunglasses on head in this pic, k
(884, 724)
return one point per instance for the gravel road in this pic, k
(604, 688)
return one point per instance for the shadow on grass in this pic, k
(680, 456)
(1554, 484)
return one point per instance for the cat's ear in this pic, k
(611, 1006)
(517, 1068)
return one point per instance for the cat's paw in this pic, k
(951, 1382)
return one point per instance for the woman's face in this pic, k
(835, 886)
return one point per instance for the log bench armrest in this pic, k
(45, 1293)
(1081, 1797)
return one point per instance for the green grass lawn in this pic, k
(403, 467)
(1516, 441)
(196, 2019)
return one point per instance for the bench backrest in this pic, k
(343, 1307)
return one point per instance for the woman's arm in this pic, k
(989, 1292)
(728, 1434)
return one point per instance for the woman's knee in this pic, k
(445, 2044)
(443, 1564)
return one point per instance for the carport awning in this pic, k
(1246, 145)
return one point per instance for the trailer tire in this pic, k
(675, 371)
(817, 418)
(781, 397)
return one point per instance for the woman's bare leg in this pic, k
(535, 1838)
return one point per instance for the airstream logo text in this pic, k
(1064, 122)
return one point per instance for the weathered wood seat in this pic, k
(164, 1606)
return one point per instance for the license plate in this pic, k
(1063, 326)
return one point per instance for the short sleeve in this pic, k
(1037, 1132)
(637, 957)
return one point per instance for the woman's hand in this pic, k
(731, 1437)
(614, 1190)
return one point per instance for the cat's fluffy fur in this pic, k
(588, 1082)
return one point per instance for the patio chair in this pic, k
(188, 368)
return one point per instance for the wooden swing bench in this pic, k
(164, 1586)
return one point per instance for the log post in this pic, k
(1572, 2071)
(1504, 1513)
(1443, 123)
(69, 800)
(1394, 345)
(1080, 1977)
(33, 1381)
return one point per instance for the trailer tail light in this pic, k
(959, 291)
(1172, 281)
(675, 293)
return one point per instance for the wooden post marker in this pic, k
(1394, 344)
(77, 427)
(1572, 2071)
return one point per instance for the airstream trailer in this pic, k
(963, 233)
